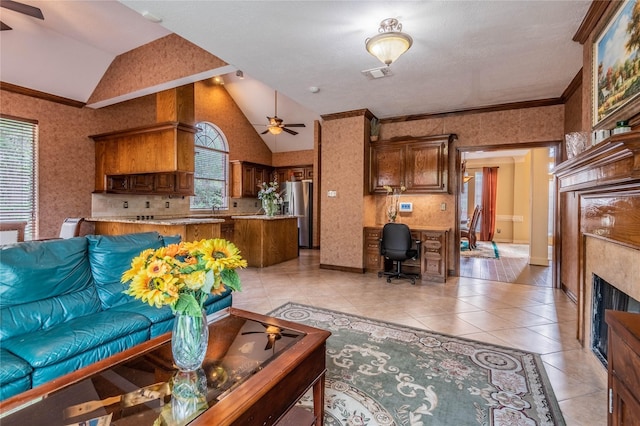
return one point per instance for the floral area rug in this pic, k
(385, 374)
(484, 249)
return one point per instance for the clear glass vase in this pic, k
(189, 340)
(188, 395)
(270, 207)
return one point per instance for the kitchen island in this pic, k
(265, 240)
(189, 228)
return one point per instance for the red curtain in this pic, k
(489, 195)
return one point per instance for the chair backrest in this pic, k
(71, 227)
(12, 232)
(396, 241)
(474, 218)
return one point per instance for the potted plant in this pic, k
(375, 129)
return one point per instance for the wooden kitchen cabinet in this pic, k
(178, 183)
(419, 164)
(142, 183)
(432, 262)
(286, 174)
(623, 357)
(245, 178)
(158, 148)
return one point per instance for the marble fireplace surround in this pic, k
(618, 264)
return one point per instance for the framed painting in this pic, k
(617, 64)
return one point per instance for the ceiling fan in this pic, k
(273, 333)
(276, 124)
(20, 8)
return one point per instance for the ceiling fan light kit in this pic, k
(276, 124)
(390, 42)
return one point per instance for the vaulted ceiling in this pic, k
(466, 54)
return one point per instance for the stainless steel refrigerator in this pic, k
(298, 201)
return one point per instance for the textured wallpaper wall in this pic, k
(540, 124)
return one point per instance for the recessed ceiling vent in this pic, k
(375, 73)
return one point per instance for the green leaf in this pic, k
(208, 282)
(231, 279)
(188, 305)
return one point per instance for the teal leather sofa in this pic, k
(62, 306)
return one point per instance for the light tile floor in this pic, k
(532, 318)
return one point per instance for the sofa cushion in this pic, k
(13, 368)
(47, 373)
(44, 283)
(171, 239)
(110, 256)
(55, 344)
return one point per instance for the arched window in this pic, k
(212, 168)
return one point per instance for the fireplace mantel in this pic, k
(607, 179)
(613, 162)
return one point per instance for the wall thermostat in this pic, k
(406, 207)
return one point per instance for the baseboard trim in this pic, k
(538, 261)
(569, 293)
(342, 268)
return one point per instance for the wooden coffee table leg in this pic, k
(318, 400)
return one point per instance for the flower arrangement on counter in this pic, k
(183, 275)
(270, 197)
(393, 195)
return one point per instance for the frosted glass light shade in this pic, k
(390, 42)
(388, 47)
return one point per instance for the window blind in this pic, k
(18, 167)
(211, 168)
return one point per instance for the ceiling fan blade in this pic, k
(295, 125)
(291, 132)
(22, 8)
(265, 132)
(4, 27)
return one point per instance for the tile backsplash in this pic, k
(123, 205)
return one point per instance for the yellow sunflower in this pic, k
(156, 291)
(221, 254)
(157, 268)
(138, 263)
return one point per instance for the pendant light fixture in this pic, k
(390, 42)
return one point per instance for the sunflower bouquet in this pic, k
(183, 275)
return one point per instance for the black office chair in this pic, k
(396, 245)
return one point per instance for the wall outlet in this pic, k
(125, 205)
(443, 206)
(498, 230)
(332, 194)
(147, 204)
(166, 204)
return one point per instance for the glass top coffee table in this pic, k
(256, 369)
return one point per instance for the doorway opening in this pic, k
(517, 231)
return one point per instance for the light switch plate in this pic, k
(406, 206)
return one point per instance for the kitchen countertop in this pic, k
(264, 217)
(161, 221)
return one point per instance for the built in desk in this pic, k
(432, 262)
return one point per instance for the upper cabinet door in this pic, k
(387, 166)
(420, 164)
(427, 167)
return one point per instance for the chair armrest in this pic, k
(419, 248)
